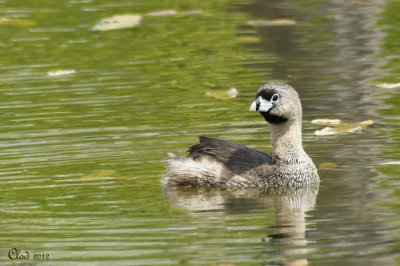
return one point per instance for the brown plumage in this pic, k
(220, 163)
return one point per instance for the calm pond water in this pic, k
(82, 154)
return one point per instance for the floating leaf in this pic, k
(391, 163)
(326, 122)
(60, 72)
(327, 131)
(273, 22)
(171, 12)
(118, 22)
(17, 22)
(223, 94)
(249, 39)
(388, 85)
(192, 12)
(366, 123)
(339, 127)
(162, 13)
(327, 166)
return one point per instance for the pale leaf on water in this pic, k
(391, 163)
(223, 94)
(388, 85)
(118, 22)
(326, 122)
(338, 127)
(162, 13)
(272, 22)
(60, 72)
(171, 12)
(366, 123)
(192, 12)
(17, 22)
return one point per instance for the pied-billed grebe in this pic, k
(220, 163)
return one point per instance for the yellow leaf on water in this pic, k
(162, 13)
(171, 12)
(366, 122)
(326, 122)
(388, 85)
(391, 163)
(17, 22)
(327, 131)
(327, 166)
(339, 127)
(192, 12)
(60, 72)
(273, 22)
(223, 94)
(118, 22)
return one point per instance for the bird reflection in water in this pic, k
(290, 207)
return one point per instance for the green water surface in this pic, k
(82, 155)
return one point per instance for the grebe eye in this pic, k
(275, 98)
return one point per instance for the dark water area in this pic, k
(82, 154)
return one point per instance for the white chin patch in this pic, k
(261, 105)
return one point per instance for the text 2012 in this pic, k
(17, 254)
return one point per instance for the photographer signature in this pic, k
(17, 254)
